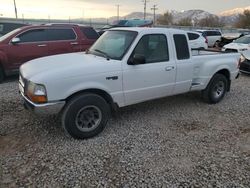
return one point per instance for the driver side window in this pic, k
(36, 35)
(153, 47)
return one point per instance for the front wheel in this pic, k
(85, 116)
(216, 89)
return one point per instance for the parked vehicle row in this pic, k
(30, 42)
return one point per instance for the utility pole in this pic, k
(154, 9)
(15, 8)
(118, 12)
(82, 16)
(145, 8)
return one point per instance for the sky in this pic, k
(65, 9)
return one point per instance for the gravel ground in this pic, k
(173, 142)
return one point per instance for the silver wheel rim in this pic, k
(88, 118)
(219, 89)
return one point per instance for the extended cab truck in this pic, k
(125, 66)
(30, 42)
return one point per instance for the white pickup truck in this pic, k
(125, 66)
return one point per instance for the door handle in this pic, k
(41, 45)
(74, 43)
(169, 68)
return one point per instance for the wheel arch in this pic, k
(226, 73)
(106, 96)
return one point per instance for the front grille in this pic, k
(22, 84)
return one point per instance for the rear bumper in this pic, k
(43, 109)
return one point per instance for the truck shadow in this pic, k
(12, 78)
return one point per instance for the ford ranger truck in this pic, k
(125, 66)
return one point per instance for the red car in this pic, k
(30, 42)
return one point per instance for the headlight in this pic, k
(36, 92)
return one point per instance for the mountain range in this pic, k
(228, 17)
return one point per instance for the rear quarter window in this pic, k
(181, 46)
(213, 33)
(193, 36)
(89, 32)
(60, 34)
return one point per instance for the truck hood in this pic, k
(237, 46)
(66, 66)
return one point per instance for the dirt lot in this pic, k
(173, 142)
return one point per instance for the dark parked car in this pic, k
(127, 23)
(6, 27)
(30, 42)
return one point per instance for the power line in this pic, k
(154, 9)
(145, 7)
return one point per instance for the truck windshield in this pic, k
(113, 44)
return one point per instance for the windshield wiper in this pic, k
(103, 53)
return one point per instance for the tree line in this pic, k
(243, 21)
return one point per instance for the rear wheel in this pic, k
(1, 74)
(85, 116)
(216, 89)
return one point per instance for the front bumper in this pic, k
(43, 109)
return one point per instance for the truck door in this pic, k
(184, 65)
(155, 78)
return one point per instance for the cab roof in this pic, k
(148, 30)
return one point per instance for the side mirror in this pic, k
(15, 40)
(137, 59)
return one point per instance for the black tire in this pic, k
(216, 89)
(2, 75)
(85, 116)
